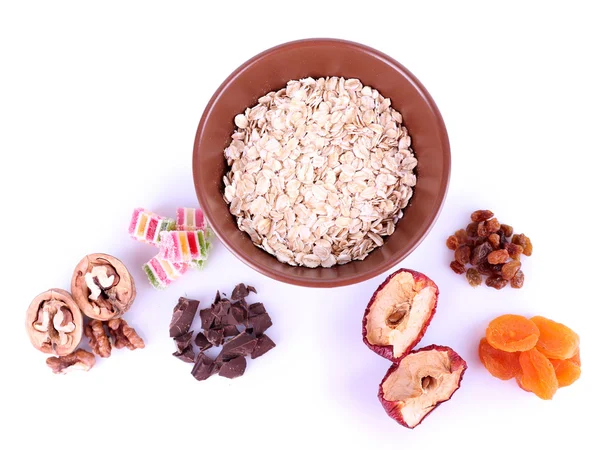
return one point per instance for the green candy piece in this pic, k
(197, 264)
(165, 225)
(151, 278)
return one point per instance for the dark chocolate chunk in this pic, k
(183, 315)
(204, 367)
(230, 330)
(255, 309)
(215, 336)
(221, 308)
(239, 311)
(241, 291)
(207, 317)
(233, 368)
(263, 345)
(241, 345)
(228, 319)
(186, 355)
(259, 323)
(217, 297)
(202, 342)
(183, 341)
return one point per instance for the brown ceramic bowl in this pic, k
(271, 70)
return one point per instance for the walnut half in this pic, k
(102, 287)
(78, 360)
(54, 322)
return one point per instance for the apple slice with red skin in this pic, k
(414, 387)
(399, 313)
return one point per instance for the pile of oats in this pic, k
(319, 171)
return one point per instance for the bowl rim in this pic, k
(354, 278)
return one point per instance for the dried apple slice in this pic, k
(423, 379)
(399, 313)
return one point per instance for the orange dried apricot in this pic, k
(567, 372)
(577, 358)
(519, 378)
(503, 365)
(538, 374)
(512, 333)
(556, 341)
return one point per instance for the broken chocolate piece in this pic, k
(183, 341)
(215, 337)
(221, 308)
(230, 330)
(239, 311)
(202, 342)
(263, 345)
(186, 355)
(241, 345)
(183, 315)
(255, 309)
(207, 317)
(241, 291)
(204, 367)
(259, 323)
(233, 368)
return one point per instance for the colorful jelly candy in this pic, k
(146, 226)
(190, 219)
(162, 273)
(183, 246)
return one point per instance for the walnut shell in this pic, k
(45, 333)
(102, 287)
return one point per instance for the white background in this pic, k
(99, 104)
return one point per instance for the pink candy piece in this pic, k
(162, 273)
(145, 226)
(190, 219)
(183, 246)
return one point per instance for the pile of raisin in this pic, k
(541, 354)
(485, 245)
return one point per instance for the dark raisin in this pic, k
(480, 253)
(503, 240)
(510, 269)
(494, 239)
(457, 267)
(473, 277)
(498, 257)
(485, 268)
(514, 250)
(462, 236)
(452, 242)
(496, 281)
(507, 230)
(462, 254)
(496, 268)
(518, 280)
(528, 248)
(472, 229)
(481, 214)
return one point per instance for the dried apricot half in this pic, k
(503, 365)
(556, 341)
(567, 372)
(512, 333)
(538, 374)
